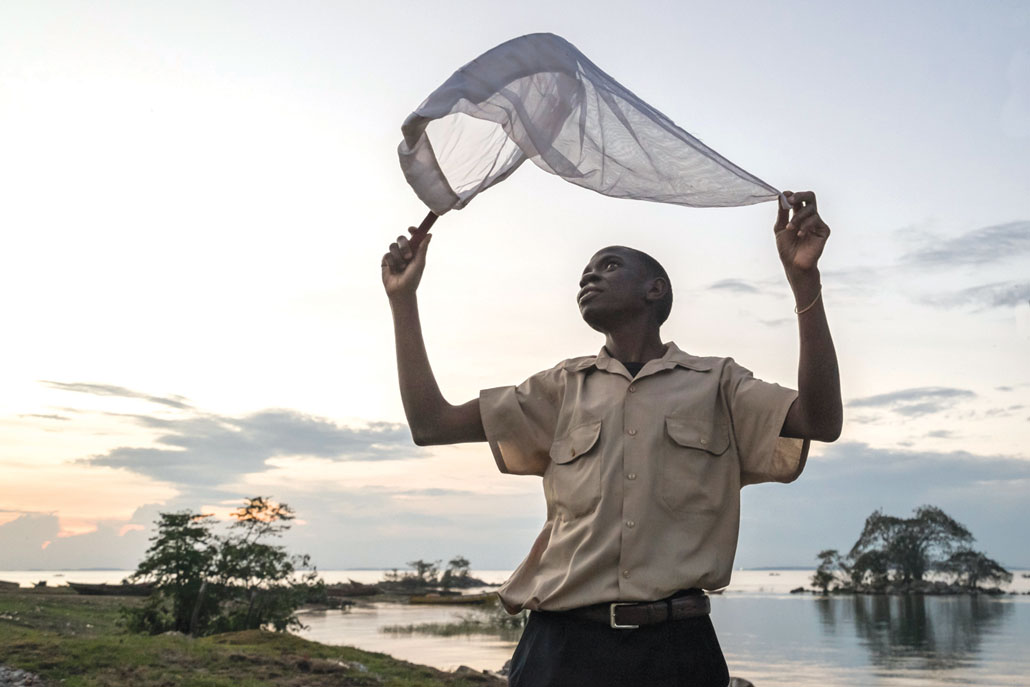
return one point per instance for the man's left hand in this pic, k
(800, 238)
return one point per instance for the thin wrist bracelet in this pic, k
(810, 305)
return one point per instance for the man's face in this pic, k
(613, 287)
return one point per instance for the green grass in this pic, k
(493, 622)
(79, 641)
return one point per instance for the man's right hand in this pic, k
(402, 267)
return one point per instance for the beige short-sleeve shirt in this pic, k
(641, 475)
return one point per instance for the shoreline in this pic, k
(58, 636)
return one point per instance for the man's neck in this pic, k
(634, 346)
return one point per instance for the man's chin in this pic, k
(594, 319)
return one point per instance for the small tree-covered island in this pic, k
(928, 553)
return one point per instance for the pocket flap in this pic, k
(711, 437)
(576, 442)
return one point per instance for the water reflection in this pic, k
(916, 632)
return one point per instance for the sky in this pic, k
(195, 197)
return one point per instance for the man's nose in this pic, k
(587, 278)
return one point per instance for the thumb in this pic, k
(420, 253)
(782, 214)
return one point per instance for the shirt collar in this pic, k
(673, 357)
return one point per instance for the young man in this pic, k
(643, 450)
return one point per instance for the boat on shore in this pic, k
(453, 599)
(352, 588)
(141, 589)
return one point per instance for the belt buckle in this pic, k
(611, 616)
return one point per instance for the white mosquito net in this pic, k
(539, 98)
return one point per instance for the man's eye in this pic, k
(611, 265)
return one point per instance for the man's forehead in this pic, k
(615, 251)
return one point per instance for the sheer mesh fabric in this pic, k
(537, 97)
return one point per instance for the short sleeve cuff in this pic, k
(495, 405)
(775, 458)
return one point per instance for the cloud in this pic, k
(201, 451)
(996, 295)
(1003, 412)
(734, 285)
(977, 247)
(863, 277)
(111, 390)
(43, 416)
(843, 483)
(34, 541)
(915, 402)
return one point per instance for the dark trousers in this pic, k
(557, 650)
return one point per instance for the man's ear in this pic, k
(658, 288)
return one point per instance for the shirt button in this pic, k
(625, 573)
(631, 475)
(633, 433)
(704, 441)
(632, 388)
(630, 523)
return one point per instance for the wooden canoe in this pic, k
(143, 589)
(352, 588)
(457, 599)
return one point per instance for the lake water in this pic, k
(771, 637)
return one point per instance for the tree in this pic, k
(425, 572)
(871, 568)
(829, 561)
(457, 572)
(910, 546)
(258, 578)
(206, 583)
(972, 567)
(178, 562)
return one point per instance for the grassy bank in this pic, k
(491, 620)
(78, 641)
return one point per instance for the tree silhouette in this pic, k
(972, 567)
(910, 546)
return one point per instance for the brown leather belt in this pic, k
(628, 616)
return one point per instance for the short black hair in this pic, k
(654, 271)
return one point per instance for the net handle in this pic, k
(419, 234)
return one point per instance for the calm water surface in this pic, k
(769, 636)
(774, 640)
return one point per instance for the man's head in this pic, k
(622, 284)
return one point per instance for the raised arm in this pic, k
(431, 418)
(817, 413)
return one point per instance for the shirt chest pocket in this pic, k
(693, 470)
(572, 482)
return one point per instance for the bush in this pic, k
(207, 583)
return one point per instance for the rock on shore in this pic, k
(10, 677)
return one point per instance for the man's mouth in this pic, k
(587, 293)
